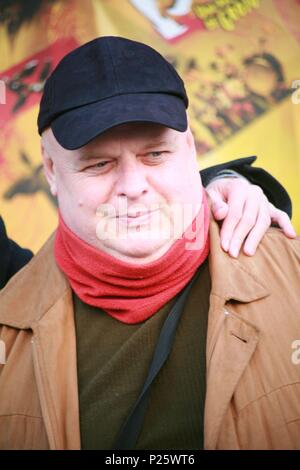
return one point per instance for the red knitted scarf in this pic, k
(129, 292)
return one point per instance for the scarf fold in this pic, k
(131, 293)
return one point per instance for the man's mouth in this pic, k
(137, 217)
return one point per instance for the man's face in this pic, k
(130, 192)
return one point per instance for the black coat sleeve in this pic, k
(12, 256)
(274, 191)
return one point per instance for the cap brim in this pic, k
(77, 127)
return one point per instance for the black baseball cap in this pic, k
(107, 82)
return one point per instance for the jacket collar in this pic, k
(231, 280)
(231, 338)
(237, 279)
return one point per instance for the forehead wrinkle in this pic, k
(99, 148)
(113, 147)
(112, 143)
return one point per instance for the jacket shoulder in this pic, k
(283, 250)
(32, 290)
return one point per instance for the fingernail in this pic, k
(225, 245)
(217, 208)
(249, 251)
(234, 252)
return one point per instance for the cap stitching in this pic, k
(113, 68)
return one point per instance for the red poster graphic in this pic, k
(25, 81)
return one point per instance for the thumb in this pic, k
(219, 207)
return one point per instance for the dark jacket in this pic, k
(274, 191)
(12, 256)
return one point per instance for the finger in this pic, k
(252, 208)
(219, 207)
(256, 234)
(282, 220)
(236, 202)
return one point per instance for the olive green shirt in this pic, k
(113, 359)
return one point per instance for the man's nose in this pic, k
(132, 180)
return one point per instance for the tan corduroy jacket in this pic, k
(253, 352)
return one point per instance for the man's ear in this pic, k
(191, 141)
(49, 169)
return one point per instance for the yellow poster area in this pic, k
(274, 139)
(25, 202)
(271, 134)
(26, 205)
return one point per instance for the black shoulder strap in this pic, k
(131, 429)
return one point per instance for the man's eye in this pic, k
(156, 153)
(98, 166)
(155, 157)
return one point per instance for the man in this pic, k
(132, 328)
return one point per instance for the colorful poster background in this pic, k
(240, 61)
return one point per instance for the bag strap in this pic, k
(131, 428)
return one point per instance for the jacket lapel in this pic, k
(53, 342)
(54, 346)
(231, 339)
